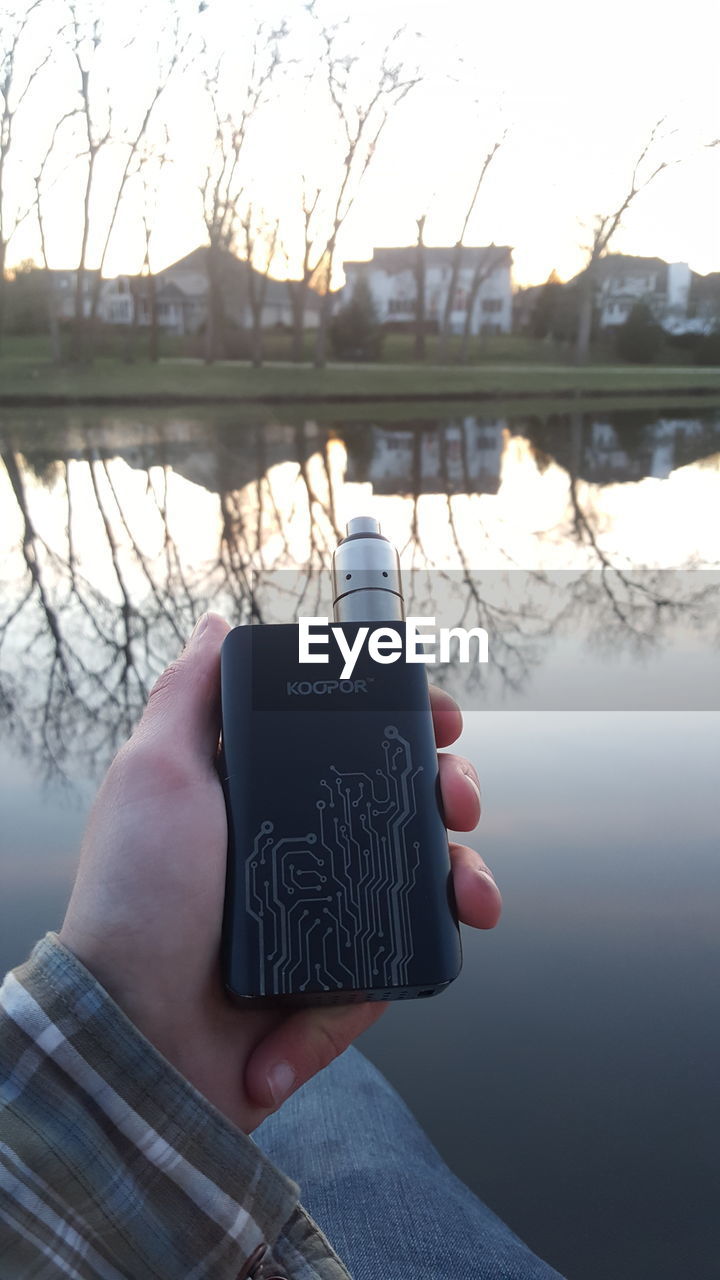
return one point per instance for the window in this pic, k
(492, 305)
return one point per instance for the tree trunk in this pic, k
(257, 288)
(584, 329)
(153, 330)
(3, 291)
(420, 291)
(449, 301)
(53, 325)
(322, 332)
(465, 344)
(213, 325)
(257, 337)
(480, 275)
(78, 328)
(131, 344)
(296, 289)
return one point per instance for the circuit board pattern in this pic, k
(331, 905)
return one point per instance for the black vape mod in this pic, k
(339, 886)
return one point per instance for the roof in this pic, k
(626, 264)
(195, 261)
(618, 265)
(402, 258)
(631, 261)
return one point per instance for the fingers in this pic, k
(459, 782)
(183, 709)
(447, 716)
(302, 1045)
(460, 790)
(478, 899)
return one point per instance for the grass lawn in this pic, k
(27, 373)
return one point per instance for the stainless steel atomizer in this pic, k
(367, 586)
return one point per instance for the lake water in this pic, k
(570, 1074)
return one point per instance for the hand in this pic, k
(146, 910)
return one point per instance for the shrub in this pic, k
(707, 351)
(355, 333)
(640, 339)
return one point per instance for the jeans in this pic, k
(379, 1190)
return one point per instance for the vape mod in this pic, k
(339, 886)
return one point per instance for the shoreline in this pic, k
(171, 399)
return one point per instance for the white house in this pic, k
(391, 278)
(677, 296)
(126, 300)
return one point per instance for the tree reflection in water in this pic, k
(121, 535)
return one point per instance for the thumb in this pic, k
(302, 1045)
(183, 708)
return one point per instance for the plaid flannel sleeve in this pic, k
(112, 1165)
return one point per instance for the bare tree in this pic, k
(299, 288)
(362, 98)
(645, 170)
(460, 243)
(100, 128)
(145, 292)
(41, 189)
(260, 237)
(482, 271)
(14, 89)
(224, 179)
(151, 164)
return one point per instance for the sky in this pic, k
(575, 89)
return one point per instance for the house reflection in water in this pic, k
(626, 447)
(450, 456)
(608, 457)
(455, 456)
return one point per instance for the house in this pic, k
(704, 302)
(680, 300)
(189, 276)
(181, 295)
(126, 300)
(623, 281)
(391, 278)
(64, 284)
(525, 300)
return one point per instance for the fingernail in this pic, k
(483, 869)
(199, 627)
(281, 1079)
(474, 786)
(442, 697)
